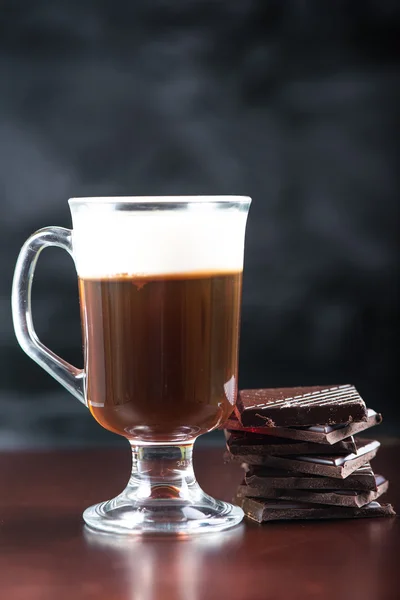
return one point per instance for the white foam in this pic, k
(196, 238)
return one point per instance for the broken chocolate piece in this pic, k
(262, 511)
(299, 406)
(322, 434)
(239, 442)
(264, 478)
(337, 497)
(322, 465)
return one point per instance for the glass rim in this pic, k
(136, 200)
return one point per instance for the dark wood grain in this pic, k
(46, 553)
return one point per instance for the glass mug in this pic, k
(160, 291)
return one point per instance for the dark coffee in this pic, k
(161, 352)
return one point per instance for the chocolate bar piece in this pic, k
(287, 407)
(264, 479)
(281, 510)
(333, 497)
(363, 479)
(322, 465)
(321, 434)
(239, 442)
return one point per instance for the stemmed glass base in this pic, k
(162, 496)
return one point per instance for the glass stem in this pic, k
(163, 473)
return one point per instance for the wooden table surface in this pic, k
(47, 554)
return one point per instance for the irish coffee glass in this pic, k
(160, 292)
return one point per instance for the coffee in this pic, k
(161, 352)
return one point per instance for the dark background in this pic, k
(294, 103)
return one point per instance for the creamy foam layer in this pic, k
(199, 238)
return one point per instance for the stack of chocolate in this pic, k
(301, 457)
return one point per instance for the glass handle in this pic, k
(68, 375)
